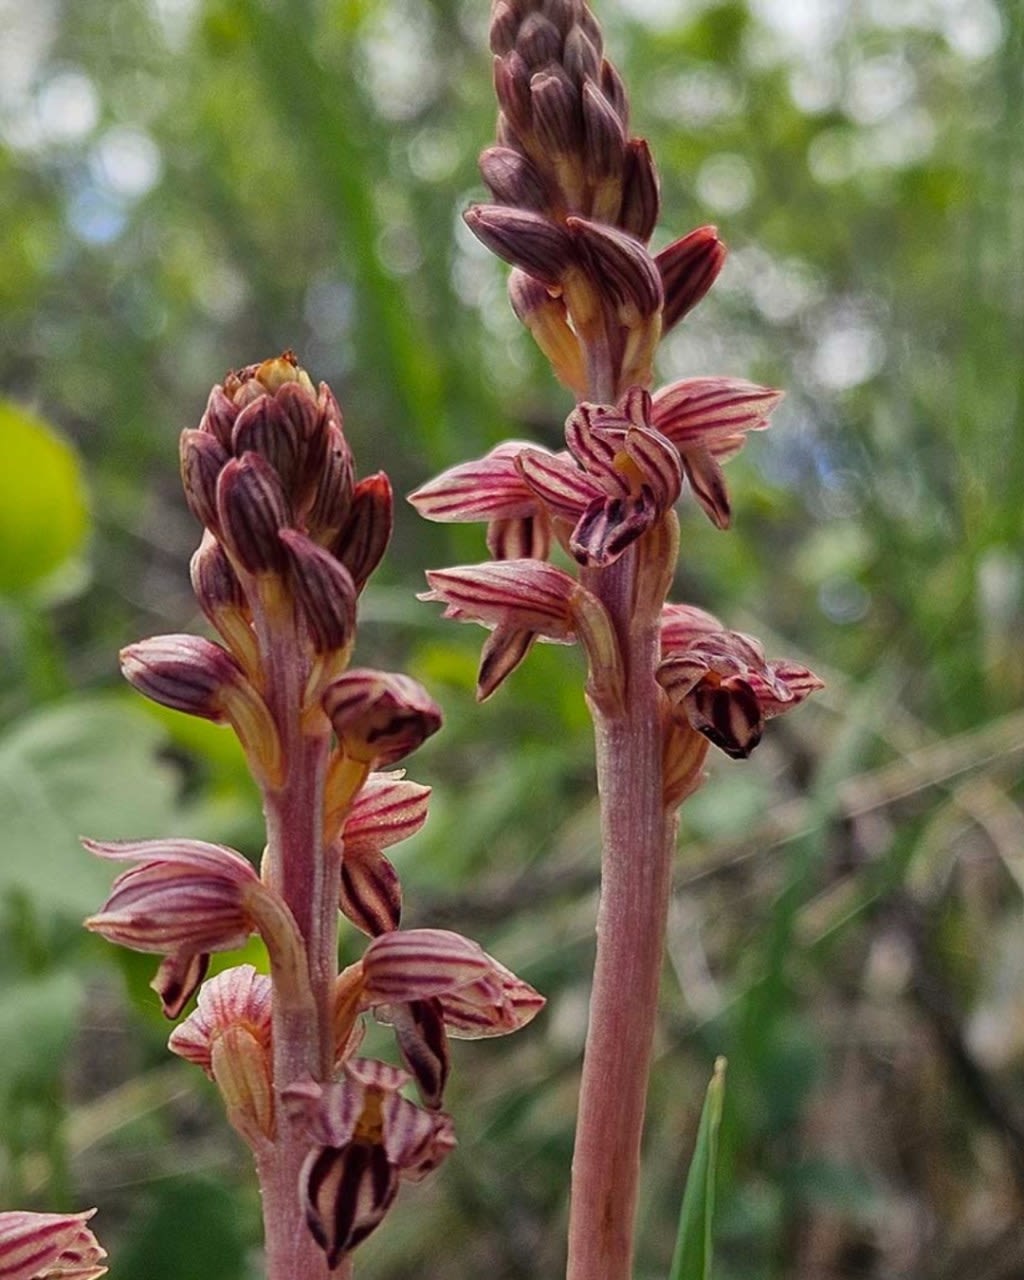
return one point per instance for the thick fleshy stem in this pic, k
(637, 840)
(297, 867)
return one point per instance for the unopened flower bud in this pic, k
(279, 429)
(203, 458)
(504, 26)
(581, 56)
(183, 672)
(605, 145)
(538, 40)
(557, 123)
(364, 537)
(222, 598)
(512, 178)
(221, 411)
(621, 267)
(324, 591)
(380, 716)
(611, 83)
(190, 674)
(253, 508)
(512, 89)
(525, 239)
(688, 269)
(641, 201)
(330, 508)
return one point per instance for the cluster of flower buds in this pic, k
(49, 1246)
(576, 203)
(290, 539)
(576, 200)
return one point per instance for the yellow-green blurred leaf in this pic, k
(44, 514)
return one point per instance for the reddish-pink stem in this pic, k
(635, 881)
(637, 839)
(300, 870)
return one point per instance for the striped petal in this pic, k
(712, 411)
(37, 1246)
(522, 594)
(682, 624)
(389, 808)
(416, 964)
(370, 891)
(504, 649)
(688, 268)
(609, 526)
(720, 682)
(239, 996)
(557, 482)
(184, 895)
(488, 488)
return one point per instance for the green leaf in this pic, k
(692, 1258)
(192, 1228)
(80, 767)
(38, 1017)
(44, 514)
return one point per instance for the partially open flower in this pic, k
(387, 809)
(366, 1139)
(478, 995)
(620, 475)
(228, 1035)
(49, 1246)
(524, 600)
(525, 594)
(719, 681)
(181, 894)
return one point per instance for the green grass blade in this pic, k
(692, 1257)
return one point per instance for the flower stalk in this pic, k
(575, 201)
(637, 843)
(290, 539)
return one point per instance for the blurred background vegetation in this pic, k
(190, 185)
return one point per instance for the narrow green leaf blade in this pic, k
(692, 1258)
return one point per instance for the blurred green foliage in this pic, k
(189, 185)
